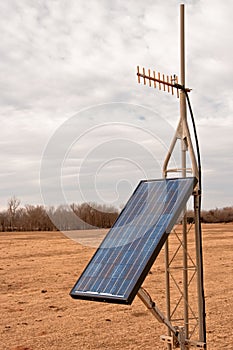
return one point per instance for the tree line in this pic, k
(79, 216)
(64, 217)
(223, 215)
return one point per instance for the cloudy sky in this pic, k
(75, 124)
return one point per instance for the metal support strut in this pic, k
(178, 334)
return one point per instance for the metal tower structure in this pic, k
(185, 323)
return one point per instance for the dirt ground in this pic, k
(38, 269)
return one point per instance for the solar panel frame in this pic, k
(125, 213)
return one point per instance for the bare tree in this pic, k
(13, 204)
(4, 222)
(37, 218)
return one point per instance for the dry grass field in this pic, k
(38, 269)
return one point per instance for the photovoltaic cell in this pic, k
(122, 261)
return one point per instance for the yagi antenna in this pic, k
(166, 82)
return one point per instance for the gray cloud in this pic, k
(59, 57)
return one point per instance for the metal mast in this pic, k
(183, 338)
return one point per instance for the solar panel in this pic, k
(124, 258)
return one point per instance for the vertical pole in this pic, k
(183, 117)
(200, 279)
(167, 281)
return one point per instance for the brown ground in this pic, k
(38, 269)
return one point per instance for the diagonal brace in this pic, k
(153, 308)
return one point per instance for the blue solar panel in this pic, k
(121, 263)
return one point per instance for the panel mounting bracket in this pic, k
(177, 340)
(186, 344)
(153, 308)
